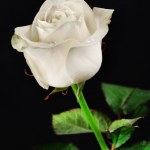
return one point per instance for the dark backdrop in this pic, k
(26, 117)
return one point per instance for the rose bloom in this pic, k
(63, 44)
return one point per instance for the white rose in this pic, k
(63, 44)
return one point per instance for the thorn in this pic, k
(27, 74)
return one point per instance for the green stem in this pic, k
(89, 117)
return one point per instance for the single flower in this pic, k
(63, 45)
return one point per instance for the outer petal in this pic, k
(18, 43)
(89, 17)
(84, 61)
(102, 17)
(48, 65)
(22, 39)
(25, 33)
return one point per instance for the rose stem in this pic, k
(89, 117)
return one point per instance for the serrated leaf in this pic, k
(140, 111)
(121, 123)
(144, 145)
(74, 122)
(115, 95)
(137, 98)
(121, 136)
(56, 146)
(124, 99)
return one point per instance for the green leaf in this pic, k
(74, 122)
(121, 123)
(121, 136)
(56, 146)
(143, 145)
(140, 111)
(124, 99)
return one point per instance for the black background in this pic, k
(25, 117)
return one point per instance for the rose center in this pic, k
(58, 13)
(57, 16)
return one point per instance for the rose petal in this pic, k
(71, 30)
(34, 68)
(44, 24)
(102, 17)
(22, 39)
(45, 29)
(40, 15)
(83, 62)
(89, 17)
(43, 33)
(48, 65)
(76, 7)
(18, 43)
